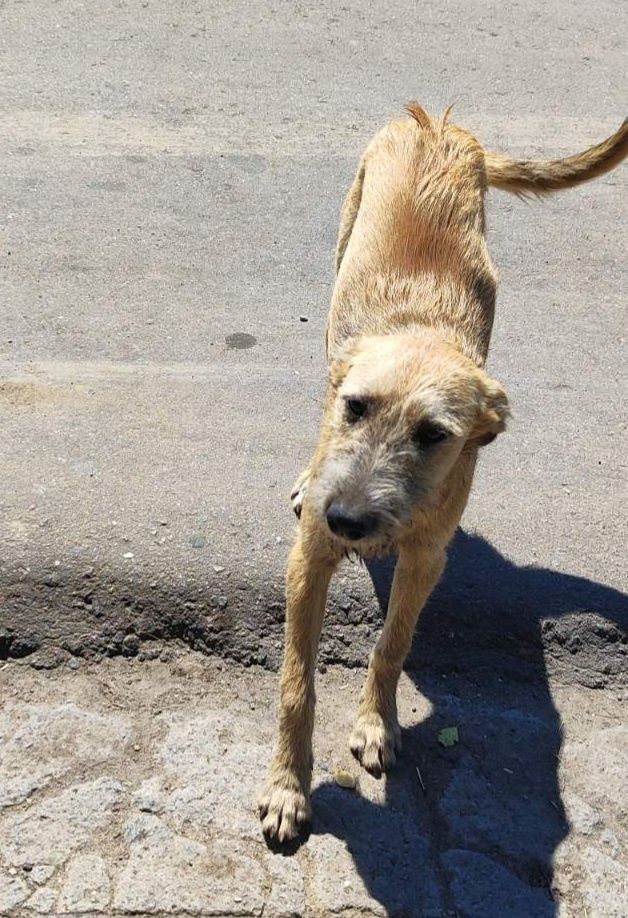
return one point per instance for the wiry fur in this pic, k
(526, 177)
(408, 334)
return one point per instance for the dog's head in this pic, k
(403, 408)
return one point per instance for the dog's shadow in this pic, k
(471, 829)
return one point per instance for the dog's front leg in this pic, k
(285, 803)
(376, 735)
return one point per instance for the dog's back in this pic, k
(423, 179)
(411, 247)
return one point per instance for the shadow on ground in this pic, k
(479, 837)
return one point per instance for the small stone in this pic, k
(218, 569)
(303, 319)
(39, 873)
(149, 796)
(345, 779)
(198, 541)
(128, 554)
(74, 663)
(130, 643)
(322, 668)
(582, 817)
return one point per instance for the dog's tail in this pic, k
(529, 177)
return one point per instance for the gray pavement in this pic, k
(129, 788)
(170, 180)
(171, 177)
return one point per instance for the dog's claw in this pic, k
(374, 743)
(283, 811)
(299, 490)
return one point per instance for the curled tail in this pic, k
(527, 177)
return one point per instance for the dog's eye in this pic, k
(356, 408)
(429, 434)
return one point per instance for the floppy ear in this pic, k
(493, 414)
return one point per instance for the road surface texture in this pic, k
(170, 181)
(129, 788)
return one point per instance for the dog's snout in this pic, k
(350, 524)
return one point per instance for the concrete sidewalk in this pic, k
(129, 788)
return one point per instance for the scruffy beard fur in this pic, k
(373, 481)
(408, 405)
(379, 466)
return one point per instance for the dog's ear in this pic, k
(340, 363)
(493, 414)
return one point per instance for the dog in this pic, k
(408, 405)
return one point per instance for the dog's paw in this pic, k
(284, 808)
(299, 490)
(375, 742)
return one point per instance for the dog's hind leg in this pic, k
(285, 802)
(376, 735)
(349, 212)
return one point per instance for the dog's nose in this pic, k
(348, 524)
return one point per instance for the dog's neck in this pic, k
(460, 311)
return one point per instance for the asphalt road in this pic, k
(170, 180)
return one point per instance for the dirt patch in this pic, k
(28, 393)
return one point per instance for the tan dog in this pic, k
(408, 405)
